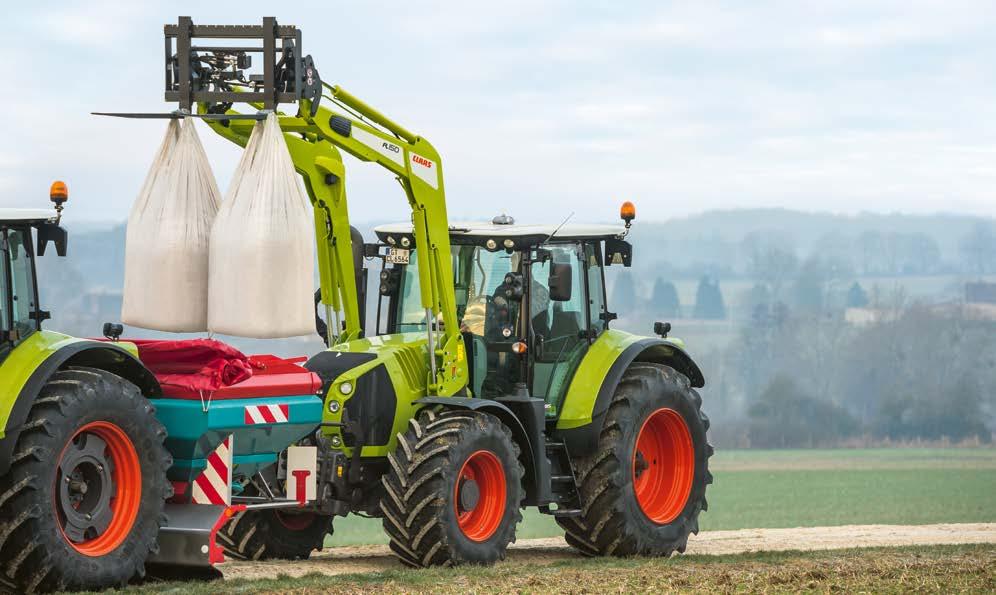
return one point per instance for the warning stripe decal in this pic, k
(214, 484)
(266, 414)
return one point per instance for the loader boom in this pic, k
(314, 143)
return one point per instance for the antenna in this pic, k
(562, 223)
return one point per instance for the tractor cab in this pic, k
(530, 299)
(20, 312)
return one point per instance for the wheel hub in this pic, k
(86, 488)
(98, 488)
(470, 495)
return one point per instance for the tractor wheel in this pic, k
(642, 490)
(83, 501)
(453, 491)
(274, 534)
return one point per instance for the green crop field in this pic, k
(796, 488)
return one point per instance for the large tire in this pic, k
(88, 434)
(274, 534)
(643, 489)
(454, 490)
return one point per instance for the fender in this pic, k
(537, 472)
(64, 352)
(583, 413)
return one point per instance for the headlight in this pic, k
(346, 388)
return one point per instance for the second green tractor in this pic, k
(491, 379)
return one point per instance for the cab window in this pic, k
(22, 283)
(488, 320)
(596, 287)
(5, 302)
(479, 288)
(411, 314)
(482, 307)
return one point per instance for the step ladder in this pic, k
(563, 483)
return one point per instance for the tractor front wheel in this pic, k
(643, 489)
(83, 501)
(453, 491)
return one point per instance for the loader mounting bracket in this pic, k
(241, 70)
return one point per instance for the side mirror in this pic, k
(560, 282)
(52, 232)
(618, 252)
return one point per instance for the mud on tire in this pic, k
(613, 522)
(35, 553)
(424, 490)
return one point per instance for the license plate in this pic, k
(397, 255)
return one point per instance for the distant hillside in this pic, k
(715, 243)
(807, 227)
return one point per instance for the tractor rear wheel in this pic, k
(83, 501)
(274, 534)
(643, 489)
(453, 491)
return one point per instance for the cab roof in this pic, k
(26, 215)
(476, 232)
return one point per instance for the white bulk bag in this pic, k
(262, 246)
(168, 236)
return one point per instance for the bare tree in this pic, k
(771, 260)
(979, 248)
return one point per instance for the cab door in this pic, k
(566, 305)
(20, 307)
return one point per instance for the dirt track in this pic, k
(364, 559)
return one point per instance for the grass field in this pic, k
(794, 488)
(787, 488)
(934, 569)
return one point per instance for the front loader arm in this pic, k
(313, 143)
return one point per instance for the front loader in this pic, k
(491, 380)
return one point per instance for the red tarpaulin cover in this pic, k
(194, 364)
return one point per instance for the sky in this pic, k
(540, 109)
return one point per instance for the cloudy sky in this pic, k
(542, 108)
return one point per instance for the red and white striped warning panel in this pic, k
(267, 414)
(214, 484)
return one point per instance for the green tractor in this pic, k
(82, 461)
(492, 379)
(600, 428)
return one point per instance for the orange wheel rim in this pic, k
(663, 466)
(98, 488)
(479, 495)
(295, 522)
